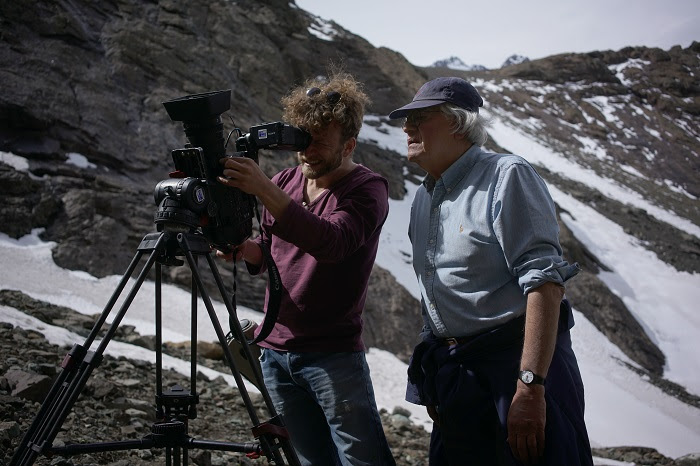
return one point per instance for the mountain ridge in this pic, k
(101, 71)
(128, 146)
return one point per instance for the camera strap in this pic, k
(273, 297)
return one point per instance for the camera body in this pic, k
(193, 197)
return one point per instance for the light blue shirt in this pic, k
(484, 235)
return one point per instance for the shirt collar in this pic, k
(455, 172)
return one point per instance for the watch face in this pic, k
(526, 376)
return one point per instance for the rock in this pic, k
(210, 350)
(131, 412)
(401, 411)
(28, 385)
(128, 431)
(129, 382)
(400, 422)
(635, 455)
(688, 460)
(124, 404)
(8, 430)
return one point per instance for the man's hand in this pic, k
(526, 421)
(227, 256)
(248, 251)
(243, 173)
(236, 252)
(432, 412)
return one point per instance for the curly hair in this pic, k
(316, 112)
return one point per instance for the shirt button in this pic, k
(432, 307)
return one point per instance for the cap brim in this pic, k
(403, 111)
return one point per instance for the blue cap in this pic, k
(440, 90)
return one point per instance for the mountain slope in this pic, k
(83, 143)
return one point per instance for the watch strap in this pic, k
(536, 379)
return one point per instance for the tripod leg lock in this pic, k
(74, 357)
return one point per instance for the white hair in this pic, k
(470, 124)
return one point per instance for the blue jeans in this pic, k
(327, 402)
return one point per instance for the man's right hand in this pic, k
(527, 417)
(243, 173)
(248, 251)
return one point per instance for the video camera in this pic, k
(193, 198)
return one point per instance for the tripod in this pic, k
(175, 406)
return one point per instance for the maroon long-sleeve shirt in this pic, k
(324, 252)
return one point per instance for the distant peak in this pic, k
(514, 60)
(455, 63)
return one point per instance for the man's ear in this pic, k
(349, 147)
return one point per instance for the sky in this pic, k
(622, 408)
(486, 33)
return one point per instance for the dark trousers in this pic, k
(473, 401)
(472, 386)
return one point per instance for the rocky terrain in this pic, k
(110, 66)
(117, 402)
(95, 138)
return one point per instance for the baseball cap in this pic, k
(440, 90)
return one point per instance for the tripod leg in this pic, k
(159, 337)
(113, 299)
(76, 370)
(238, 334)
(265, 441)
(269, 451)
(130, 297)
(219, 331)
(33, 441)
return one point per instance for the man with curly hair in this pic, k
(321, 223)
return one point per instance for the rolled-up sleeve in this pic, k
(525, 223)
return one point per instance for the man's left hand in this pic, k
(526, 421)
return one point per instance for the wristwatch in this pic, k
(530, 378)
